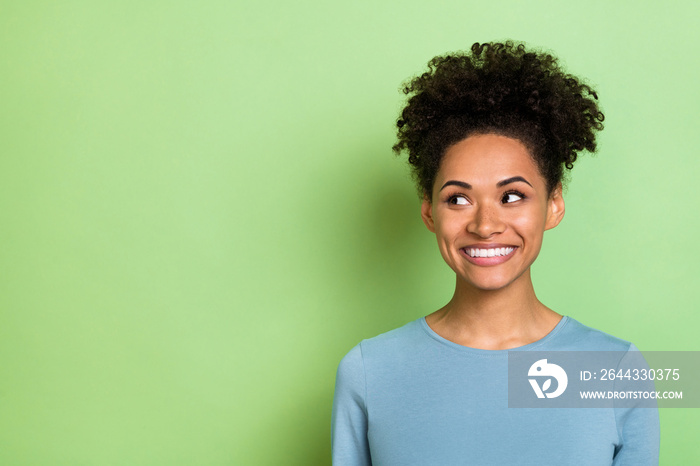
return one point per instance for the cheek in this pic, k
(530, 225)
(446, 223)
(447, 229)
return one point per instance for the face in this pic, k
(489, 210)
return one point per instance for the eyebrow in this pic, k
(512, 180)
(461, 184)
(500, 184)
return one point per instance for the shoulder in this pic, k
(386, 346)
(394, 343)
(576, 336)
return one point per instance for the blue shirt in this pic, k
(411, 397)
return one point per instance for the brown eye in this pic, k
(458, 200)
(512, 196)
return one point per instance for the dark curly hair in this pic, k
(498, 88)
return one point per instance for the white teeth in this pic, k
(490, 252)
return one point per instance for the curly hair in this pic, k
(498, 88)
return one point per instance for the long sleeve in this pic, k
(638, 426)
(639, 429)
(349, 419)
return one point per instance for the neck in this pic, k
(494, 319)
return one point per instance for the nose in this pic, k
(486, 222)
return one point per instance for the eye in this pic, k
(458, 200)
(512, 196)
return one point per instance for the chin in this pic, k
(488, 285)
(490, 281)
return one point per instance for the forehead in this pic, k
(488, 158)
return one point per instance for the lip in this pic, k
(488, 261)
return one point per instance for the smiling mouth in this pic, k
(488, 252)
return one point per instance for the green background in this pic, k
(201, 213)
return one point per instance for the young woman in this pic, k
(488, 135)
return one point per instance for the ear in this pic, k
(555, 208)
(426, 213)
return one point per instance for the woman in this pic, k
(488, 135)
